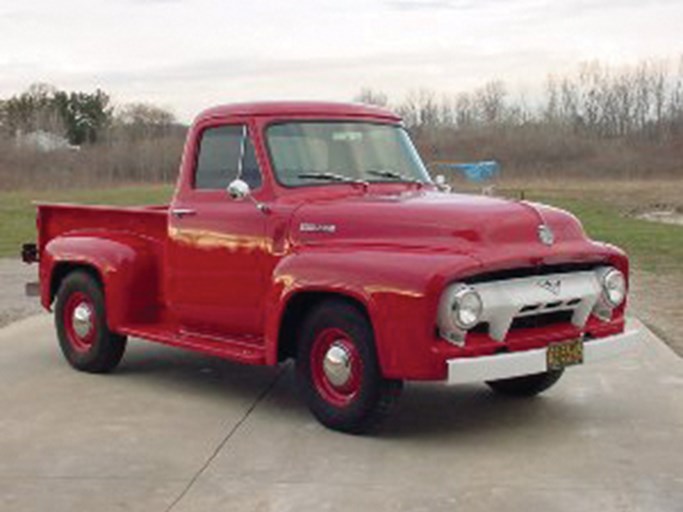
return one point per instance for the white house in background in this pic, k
(40, 140)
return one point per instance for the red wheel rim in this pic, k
(79, 321)
(336, 367)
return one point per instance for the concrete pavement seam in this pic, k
(225, 440)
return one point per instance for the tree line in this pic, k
(133, 142)
(80, 117)
(599, 122)
(643, 101)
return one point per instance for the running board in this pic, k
(243, 350)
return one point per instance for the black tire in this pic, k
(360, 404)
(528, 385)
(99, 350)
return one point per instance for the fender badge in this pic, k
(546, 235)
(311, 227)
(553, 286)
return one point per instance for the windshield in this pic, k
(309, 153)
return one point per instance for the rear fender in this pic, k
(127, 265)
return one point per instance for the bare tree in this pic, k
(371, 97)
(465, 114)
(490, 102)
(420, 109)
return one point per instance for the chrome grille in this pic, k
(507, 301)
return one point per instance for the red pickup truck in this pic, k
(313, 231)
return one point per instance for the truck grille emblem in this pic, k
(552, 285)
(546, 235)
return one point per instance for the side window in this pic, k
(219, 155)
(218, 162)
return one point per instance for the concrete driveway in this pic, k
(177, 431)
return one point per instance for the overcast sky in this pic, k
(187, 55)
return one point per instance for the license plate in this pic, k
(563, 354)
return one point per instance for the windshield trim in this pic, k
(396, 124)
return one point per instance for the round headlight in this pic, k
(614, 287)
(466, 308)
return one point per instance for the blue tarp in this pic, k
(474, 171)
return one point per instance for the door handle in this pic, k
(179, 213)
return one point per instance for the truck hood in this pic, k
(485, 228)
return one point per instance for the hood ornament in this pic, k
(546, 235)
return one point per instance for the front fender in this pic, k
(126, 264)
(400, 292)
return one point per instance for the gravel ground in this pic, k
(652, 300)
(14, 304)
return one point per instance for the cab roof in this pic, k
(297, 108)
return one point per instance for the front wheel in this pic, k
(84, 337)
(527, 385)
(338, 370)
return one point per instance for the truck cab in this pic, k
(313, 231)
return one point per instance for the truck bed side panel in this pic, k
(124, 245)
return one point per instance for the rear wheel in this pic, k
(527, 385)
(338, 370)
(80, 317)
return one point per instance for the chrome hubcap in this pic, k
(337, 365)
(82, 320)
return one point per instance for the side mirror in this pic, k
(238, 189)
(440, 182)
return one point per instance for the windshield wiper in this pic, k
(386, 173)
(331, 176)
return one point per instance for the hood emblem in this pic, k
(546, 235)
(552, 285)
(312, 227)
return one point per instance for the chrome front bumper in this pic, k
(527, 362)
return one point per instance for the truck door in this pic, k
(215, 282)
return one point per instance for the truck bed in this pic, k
(128, 241)
(55, 219)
